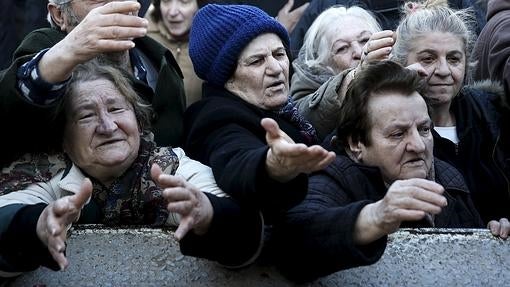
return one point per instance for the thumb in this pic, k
(81, 197)
(156, 172)
(271, 127)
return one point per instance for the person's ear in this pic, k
(355, 151)
(56, 15)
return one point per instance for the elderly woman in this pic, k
(114, 175)
(333, 44)
(467, 125)
(240, 53)
(384, 177)
(169, 24)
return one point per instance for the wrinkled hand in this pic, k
(289, 18)
(405, 200)
(56, 219)
(499, 228)
(285, 159)
(185, 199)
(378, 47)
(107, 28)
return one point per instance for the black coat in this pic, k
(315, 237)
(481, 156)
(224, 132)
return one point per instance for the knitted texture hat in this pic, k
(219, 34)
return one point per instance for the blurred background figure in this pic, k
(170, 24)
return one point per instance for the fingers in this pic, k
(420, 69)
(156, 171)
(379, 46)
(57, 248)
(124, 7)
(301, 9)
(499, 228)
(185, 226)
(288, 6)
(80, 199)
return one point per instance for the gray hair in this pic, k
(64, 5)
(316, 47)
(428, 19)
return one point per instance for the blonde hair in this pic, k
(316, 49)
(422, 18)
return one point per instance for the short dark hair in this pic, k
(380, 77)
(156, 12)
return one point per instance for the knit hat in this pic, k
(219, 34)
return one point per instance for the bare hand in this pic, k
(108, 28)
(420, 69)
(56, 219)
(185, 199)
(285, 159)
(289, 18)
(378, 47)
(499, 228)
(405, 200)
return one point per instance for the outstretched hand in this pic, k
(56, 219)
(286, 159)
(185, 199)
(378, 47)
(288, 17)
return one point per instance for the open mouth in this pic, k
(108, 142)
(275, 84)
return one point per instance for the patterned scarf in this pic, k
(291, 113)
(134, 198)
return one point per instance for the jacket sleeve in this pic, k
(29, 126)
(315, 238)
(234, 238)
(20, 248)
(321, 107)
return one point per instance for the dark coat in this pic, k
(387, 13)
(31, 128)
(481, 156)
(316, 237)
(492, 48)
(224, 132)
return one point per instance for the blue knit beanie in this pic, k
(219, 34)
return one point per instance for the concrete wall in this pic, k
(151, 257)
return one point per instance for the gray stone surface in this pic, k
(151, 257)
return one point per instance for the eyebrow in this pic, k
(262, 54)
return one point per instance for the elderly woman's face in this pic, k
(347, 41)
(177, 16)
(101, 135)
(443, 57)
(262, 74)
(400, 137)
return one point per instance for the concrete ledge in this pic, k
(151, 257)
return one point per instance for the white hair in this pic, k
(315, 44)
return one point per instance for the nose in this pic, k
(415, 142)
(274, 67)
(356, 50)
(442, 68)
(174, 9)
(106, 125)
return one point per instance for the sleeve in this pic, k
(234, 238)
(499, 54)
(238, 161)
(315, 238)
(198, 174)
(20, 248)
(321, 107)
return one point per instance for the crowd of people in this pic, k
(305, 138)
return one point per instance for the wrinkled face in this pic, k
(400, 137)
(347, 41)
(262, 74)
(443, 57)
(101, 135)
(177, 16)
